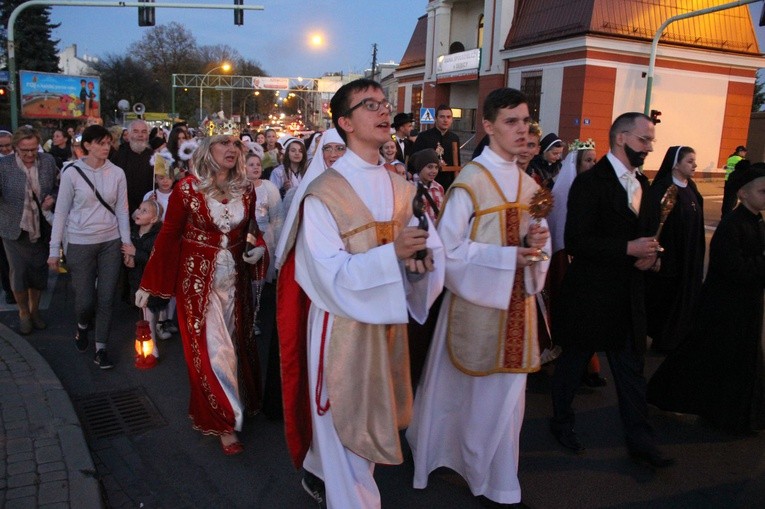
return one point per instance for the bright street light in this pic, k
(225, 66)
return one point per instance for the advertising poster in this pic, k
(59, 96)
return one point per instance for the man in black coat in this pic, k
(402, 123)
(442, 139)
(601, 306)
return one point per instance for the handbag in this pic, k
(45, 226)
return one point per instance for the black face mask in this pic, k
(636, 158)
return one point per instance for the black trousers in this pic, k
(627, 371)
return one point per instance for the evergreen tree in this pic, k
(35, 50)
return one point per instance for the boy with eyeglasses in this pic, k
(345, 369)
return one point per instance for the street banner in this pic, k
(59, 96)
(267, 83)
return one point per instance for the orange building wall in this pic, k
(588, 93)
(738, 109)
(486, 84)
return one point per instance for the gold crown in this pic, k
(582, 145)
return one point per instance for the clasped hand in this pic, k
(409, 241)
(645, 249)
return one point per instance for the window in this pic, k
(531, 85)
(480, 32)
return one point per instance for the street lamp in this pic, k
(226, 67)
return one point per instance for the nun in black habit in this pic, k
(673, 284)
(717, 372)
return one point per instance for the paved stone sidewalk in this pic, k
(44, 459)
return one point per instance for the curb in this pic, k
(84, 491)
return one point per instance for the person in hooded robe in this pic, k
(329, 149)
(717, 372)
(673, 284)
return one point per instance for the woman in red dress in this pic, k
(199, 257)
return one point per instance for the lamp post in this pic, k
(226, 67)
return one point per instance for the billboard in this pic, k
(260, 83)
(46, 95)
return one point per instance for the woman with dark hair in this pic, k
(199, 257)
(177, 136)
(27, 189)
(61, 148)
(673, 284)
(289, 174)
(92, 207)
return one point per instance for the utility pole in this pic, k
(374, 59)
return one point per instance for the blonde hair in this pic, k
(158, 208)
(206, 169)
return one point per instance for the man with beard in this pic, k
(133, 157)
(601, 304)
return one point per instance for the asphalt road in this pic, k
(165, 463)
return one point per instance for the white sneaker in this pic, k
(162, 333)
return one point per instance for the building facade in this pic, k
(584, 62)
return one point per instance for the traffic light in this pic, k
(655, 114)
(146, 14)
(238, 13)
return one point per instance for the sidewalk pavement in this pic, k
(45, 459)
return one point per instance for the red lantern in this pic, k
(144, 346)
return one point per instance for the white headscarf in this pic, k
(295, 195)
(557, 218)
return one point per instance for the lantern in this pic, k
(144, 346)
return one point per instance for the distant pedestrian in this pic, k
(291, 172)
(730, 189)
(92, 213)
(444, 141)
(133, 157)
(27, 191)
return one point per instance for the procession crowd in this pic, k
(412, 291)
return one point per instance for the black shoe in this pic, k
(594, 380)
(315, 488)
(652, 457)
(486, 502)
(569, 440)
(81, 339)
(102, 359)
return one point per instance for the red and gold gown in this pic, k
(198, 259)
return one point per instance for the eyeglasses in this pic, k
(337, 149)
(27, 150)
(643, 139)
(5, 145)
(370, 105)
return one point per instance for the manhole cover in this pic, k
(125, 412)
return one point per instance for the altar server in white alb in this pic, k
(354, 258)
(469, 406)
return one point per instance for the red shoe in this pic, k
(232, 448)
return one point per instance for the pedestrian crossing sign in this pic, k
(427, 115)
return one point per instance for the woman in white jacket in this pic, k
(92, 205)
